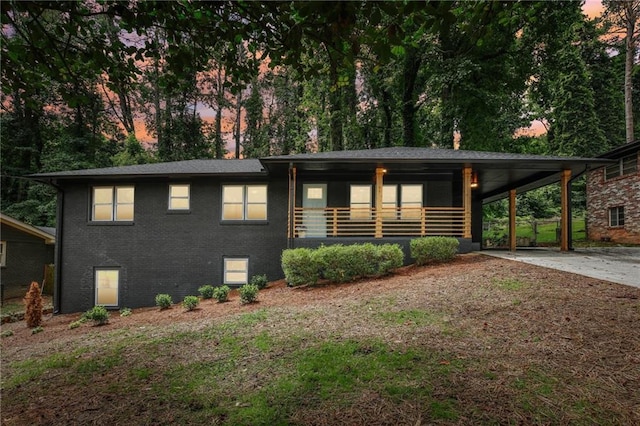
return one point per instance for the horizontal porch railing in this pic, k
(365, 222)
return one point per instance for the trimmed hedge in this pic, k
(339, 263)
(433, 249)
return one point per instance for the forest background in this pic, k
(106, 83)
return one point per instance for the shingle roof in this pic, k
(413, 153)
(188, 167)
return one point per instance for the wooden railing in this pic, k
(364, 222)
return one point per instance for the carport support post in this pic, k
(466, 201)
(512, 220)
(379, 183)
(565, 213)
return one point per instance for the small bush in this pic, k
(248, 293)
(299, 267)
(221, 294)
(125, 312)
(33, 306)
(260, 281)
(37, 330)
(98, 314)
(164, 301)
(433, 249)
(206, 291)
(76, 324)
(388, 258)
(6, 333)
(190, 302)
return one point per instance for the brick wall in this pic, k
(604, 194)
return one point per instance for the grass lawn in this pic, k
(546, 231)
(483, 341)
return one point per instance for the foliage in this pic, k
(125, 312)
(299, 266)
(6, 333)
(190, 302)
(33, 306)
(206, 291)
(433, 249)
(76, 324)
(248, 293)
(164, 301)
(221, 293)
(37, 330)
(98, 314)
(259, 281)
(339, 263)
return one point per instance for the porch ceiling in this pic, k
(497, 172)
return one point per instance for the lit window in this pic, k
(360, 202)
(389, 201)
(3, 253)
(244, 202)
(411, 201)
(616, 216)
(107, 284)
(112, 203)
(179, 197)
(236, 271)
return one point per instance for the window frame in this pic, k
(226, 271)
(360, 213)
(172, 197)
(96, 288)
(402, 209)
(625, 166)
(616, 212)
(3, 254)
(246, 203)
(114, 204)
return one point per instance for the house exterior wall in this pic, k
(164, 251)
(604, 194)
(26, 256)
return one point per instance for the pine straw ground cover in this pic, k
(477, 341)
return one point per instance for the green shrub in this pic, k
(190, 302)
(339, 263)
(125, 312)
(388, 258)
(76, 324)
(221, 294)
(299, 267)
(433, 249)
(36, 330)
(164, 301)
(206, 291)
(6, 333)
(248, 293)
(260, 281)
(97, 314)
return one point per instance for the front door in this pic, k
(314, 202)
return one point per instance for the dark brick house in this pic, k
(24, 252)
(128, 233)
(613, 197)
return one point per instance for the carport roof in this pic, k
(498, 172)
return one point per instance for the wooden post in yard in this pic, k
(380, 171)
(564, 210)
(512, 220)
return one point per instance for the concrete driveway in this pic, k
(616, 264)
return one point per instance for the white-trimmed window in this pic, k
(411, 201)
(236, 270)
(107, 282)
(3, 253)
(112, 203)
(616, 216)
(389, 201)
(244, 202)
(407, 196)
(625, 166)
(179, 196)
(360, 198)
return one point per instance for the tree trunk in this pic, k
(628, 69)
(411, 66)
(237, 127)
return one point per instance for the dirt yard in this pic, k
(584, 332)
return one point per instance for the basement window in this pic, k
(616, 216)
